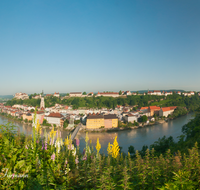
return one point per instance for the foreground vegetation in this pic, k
(48, 163)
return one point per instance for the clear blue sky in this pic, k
(103, 45)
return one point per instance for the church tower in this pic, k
(42, 106)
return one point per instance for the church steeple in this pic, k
(42, 105)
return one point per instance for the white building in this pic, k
(22, 96)
(130, 118)
(192, 93)
(56, 95)
(36, 97)
(108, 94)
(155, 92)
(55, 118)
(128, 93)
(168, 93)
(75, 94)
(165, 111)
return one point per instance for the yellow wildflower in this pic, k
(115, 148)
(52, 133)
(66, 142)
(98, 146)
(109, 149)
(129, 155)
(38, 127)
(70, 139)
(48, 139)
(86, 138)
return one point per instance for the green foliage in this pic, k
(76, 122)
(131, 149)
(163, 144)
(66, 123)
(145, 170)
(144, 118)
(120, 123)
(190, 103)
(45, 123)
(179, 111)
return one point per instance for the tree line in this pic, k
(191, 103)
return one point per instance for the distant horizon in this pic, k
(102, 91)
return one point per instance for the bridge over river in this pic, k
(74, 133)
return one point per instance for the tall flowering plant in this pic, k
(109, 149)
(58, 144)
(98, 146)
(86, 144)
(52, 136)
(115, 148)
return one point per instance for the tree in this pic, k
(65, 124)
(144, 118)
(143, 151)
(77, 122)
(163, 144)
(134, 108)
(30, 97)
(84, 93)
(119, 124)
(32, 110)
(131, 149)
(120, 92)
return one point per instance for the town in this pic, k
(67, 117)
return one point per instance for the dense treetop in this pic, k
(191, 103)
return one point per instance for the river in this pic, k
(136, 137)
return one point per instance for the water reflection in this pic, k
(136, 137)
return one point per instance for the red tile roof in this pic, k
(144, 108)
(154, 108)
(173, 107)
(75, 93)
(40, 112)
(169, 108)
(108, 92)
(166, 109)
(55, 115)
(156, 91)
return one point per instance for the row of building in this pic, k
(24, 96)
(24, 112)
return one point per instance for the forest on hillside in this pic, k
(191, 103)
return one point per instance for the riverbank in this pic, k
(136, 136)
(83, 129)
(141, 125)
